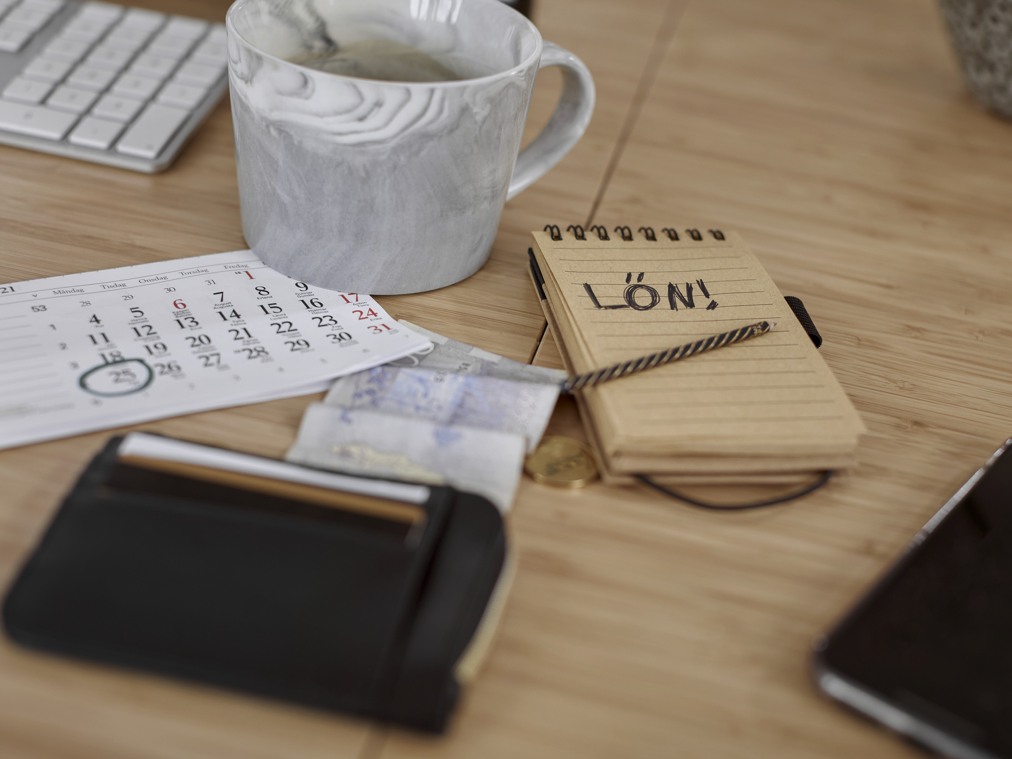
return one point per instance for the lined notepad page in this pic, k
(766, 404)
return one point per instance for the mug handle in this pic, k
(564, 128)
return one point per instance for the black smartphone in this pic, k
(928, 651)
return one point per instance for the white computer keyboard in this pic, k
(106, 83)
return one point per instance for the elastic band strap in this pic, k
(806, 320)
(821, 480)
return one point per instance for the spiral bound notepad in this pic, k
(767, 409)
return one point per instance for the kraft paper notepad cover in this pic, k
(765, 409)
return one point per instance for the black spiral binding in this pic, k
(797, 308)
(626, 233)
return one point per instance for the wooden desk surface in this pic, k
(838, 138)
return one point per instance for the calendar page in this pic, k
(102, 349)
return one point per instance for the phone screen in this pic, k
(929, 650)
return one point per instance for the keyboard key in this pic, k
(165, 44)
(85, 29)
(210, 52)
(181, 95)
(109, 56)
(47, 69)
(157, 66)
(91, 77)
(28, 18)
(105, 82)
(97, 11)
(12, 38)
(136, 86)
(199, 74)
(130, 38)
(142, 18)
(116, 108)
(95, 133)
(31, 13)
(35, 120)
(27, 90)
(187, 28)
(72, 99)
(217, 34)
(147, 136)
(51, 6)
(67, 49)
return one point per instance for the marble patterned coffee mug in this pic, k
(367, 185)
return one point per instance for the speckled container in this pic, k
(981, 34)
(388, 187)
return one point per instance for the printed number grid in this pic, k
(95, 350)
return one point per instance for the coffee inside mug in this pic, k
(410, 41)
(388, 61)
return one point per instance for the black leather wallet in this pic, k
(371, 598)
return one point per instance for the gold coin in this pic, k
(562, 462)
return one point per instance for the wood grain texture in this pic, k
(838, 138)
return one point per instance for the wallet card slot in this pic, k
(148, 447)
(127, 479)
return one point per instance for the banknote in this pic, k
(447, 354)
(366, 442)
(447, 398)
